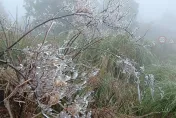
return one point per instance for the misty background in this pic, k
(157, 16)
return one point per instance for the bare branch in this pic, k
(78, 14)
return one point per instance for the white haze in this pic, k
(160, 14)
(14, 8)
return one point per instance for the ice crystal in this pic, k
(53, 76)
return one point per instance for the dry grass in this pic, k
(13, 99)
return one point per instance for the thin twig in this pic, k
(85, 47)
(37, 115)
(143, 35)
(5, 62)
(72, 41)
(4, 33)
(78, 14)
(47, 32)
(119, 28)
(16, 89)
(7, 105)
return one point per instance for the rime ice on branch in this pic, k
(53, 77)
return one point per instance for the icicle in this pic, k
(138, 88)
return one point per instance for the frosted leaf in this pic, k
(161, 92)
(63, 114)
(75, 75)
(151, 82)
(52, 78)
(137, 74)
(127, 67)
(95, 72)
(146, 80)
(138, 88)
(89, 114)
(142, 69)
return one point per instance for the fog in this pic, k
(13, 8)
(160, 15)
(152, 10)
